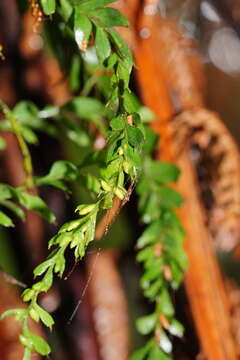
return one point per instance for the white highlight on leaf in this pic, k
(90, 56)
(79, 37)
(165, 343)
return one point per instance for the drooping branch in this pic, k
(57, 91)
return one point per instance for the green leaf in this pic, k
(162, 172)
(177, 274)
(153, 290)
(149, 275)
(118, 123)
(165, 303)
(108, 17)
(66, 9)
(151, 210)
(35, 203)
(5, 220)
(70, 225)
(39, 345)
(108, 201)
(122, 49)
(112, 168)
(27, 343)
(123, 72)
(176, 251)
(45, 317)
(146, 114)
(131, 102)
(143, 352)
(176, 328)
(29, 135)
(145, 254)
(82, 29)
(133, 157)
(60, 170)
(169, 197)
(41, 268)
(46, 282)
(60, 264)
(5, 191)
(112, 60)
(10, 312)
(28, 294)
(86, 108)
(92, 183)
(27, 114)
(85, 209)
(103, 46)
(151, 140)
(135, 136)
(146, 324)
(112, 144)
(74, 73)
(79, 137)
(88, 5)
(13, 207)
(158, 354)
(49, 6)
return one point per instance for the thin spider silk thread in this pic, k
(85, 287)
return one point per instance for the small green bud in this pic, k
(57, 267)
(38, 286)
(126, 166)
(120, 151)
(85, 209)
(34, 314)
(64, 239)
(105, 186)
(84, 228)
(70, 225)
(74, 243)
(121, 179)
(28, 294)
(120, 193)
(107, 201)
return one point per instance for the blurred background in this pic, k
(26, 73)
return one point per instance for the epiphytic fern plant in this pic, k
(98, 65)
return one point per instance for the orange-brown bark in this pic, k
(109, 306)
(10, 347)
(203, 281)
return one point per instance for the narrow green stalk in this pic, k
(89, 86)
(27, 354)
(16, 128)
